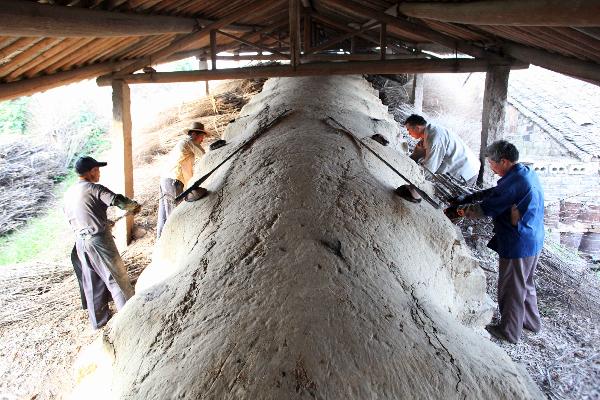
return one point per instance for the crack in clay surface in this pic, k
(302, 275)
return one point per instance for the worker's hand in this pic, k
(452, 212)
(132, 207)
(196, 194)
(137, 208)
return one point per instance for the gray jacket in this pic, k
(446, 153)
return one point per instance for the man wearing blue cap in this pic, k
(103, 273)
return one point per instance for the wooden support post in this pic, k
(307, 33)
(353, 45)
(203, 66)
(494, 111)
(382, 41)
(122, 156)
(213, 49)
(294, 14)
(416, 95)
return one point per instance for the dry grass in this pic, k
(564, 358)
(214, 111)
(42, 326)
(26, 171)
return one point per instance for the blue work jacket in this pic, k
(520, 186)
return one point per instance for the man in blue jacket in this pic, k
(516, 205)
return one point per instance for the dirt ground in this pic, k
(42, 326)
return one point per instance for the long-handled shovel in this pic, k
(195, 187)
(338, 126)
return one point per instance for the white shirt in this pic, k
(446, 153)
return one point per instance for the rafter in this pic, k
(351, 32)
(333, 23)
(577, 13)
(257, 8)
(355, 8)
(251, 44)
(555, 62)
(40, 84)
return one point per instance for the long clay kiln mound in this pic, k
(303, 276)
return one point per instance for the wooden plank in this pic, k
(29, 86)
(313, 69)
(18, 45)
(27, 18)
(494, 111)
(122, 158)
(54, 51)
(579, 13)
(57, 59)
(27, 55)
(115, 52)
(257, 8)
(90, 48)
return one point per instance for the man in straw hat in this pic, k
(97, 263)
(177, 171)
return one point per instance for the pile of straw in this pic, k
(214, 111)
(27, 171)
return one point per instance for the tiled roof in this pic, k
(568, 109)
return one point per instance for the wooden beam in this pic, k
(364, 35)
(591, 32)
(578, 13)
(313, 69)
(416, 94)
(494, 112)
(294, 32)
(29, 86)
(337, 39)
(362, 57)
(255, 8)
(26, 18)
(31, 19)
(565, 65)
(413, 28)
(121, 148)
(251, 44)
(316, 57)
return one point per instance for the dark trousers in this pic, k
(103, 275)
(169, 189)
(77, 268)
(517, 298)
